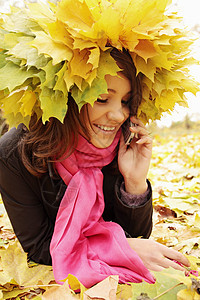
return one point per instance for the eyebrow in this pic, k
(113, 91)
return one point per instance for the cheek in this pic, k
(126, 112)
(95, 112)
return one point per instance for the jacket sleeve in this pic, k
(135, 220)
(22, 200)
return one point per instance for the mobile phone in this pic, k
(128, 135)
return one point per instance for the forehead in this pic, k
(118, 84)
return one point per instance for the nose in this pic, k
(116, 113)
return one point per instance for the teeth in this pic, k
(106, 128)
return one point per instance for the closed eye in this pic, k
(124, 102)
(102, 100)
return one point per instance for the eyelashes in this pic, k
(105, 100)
(102, 100)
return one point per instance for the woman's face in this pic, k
(109, 111)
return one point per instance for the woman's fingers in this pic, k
(144, 140)
(137, 121)
(177, 256)
(139, 130)
(166, 263)
(157, 257)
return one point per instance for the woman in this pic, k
(45, 165)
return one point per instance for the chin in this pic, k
(101, 143)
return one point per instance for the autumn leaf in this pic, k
(23, 50)
(41, 13)
(79, 64)
(59, 292)
(16, 270)
(106, 289)
(89, 94)
(75, 13)
(53, 104)
(46, 45)
(168, 283)
(145, 49)
(19, 75)
(187, 295)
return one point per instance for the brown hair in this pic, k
(48, 142)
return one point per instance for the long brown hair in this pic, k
(48, 142)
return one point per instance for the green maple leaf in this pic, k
(3, 61)
(19, 76)
(23, 50)
(50, 74)
(53, 104)
(169, 280)
(60, 83)
(89, 94)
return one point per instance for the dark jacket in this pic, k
(32, 203)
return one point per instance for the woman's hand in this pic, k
(157, 257)
(134, 160)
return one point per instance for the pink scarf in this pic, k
(83, 244)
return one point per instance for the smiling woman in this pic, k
(54, 158)
(109, 111)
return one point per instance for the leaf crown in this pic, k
(47, 51)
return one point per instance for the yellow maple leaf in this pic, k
(59, 292)
(172, 98)
(16, 270)
(94, 57)
(148, 111)
(27, 102)
(163, 60)
(11, 103)
(110, 25)
(79, 64)
(186, 294)
(83, 43)
(59, 33)
(147, 68)
(75, 13)
(18, 106)
(46, 45)
(41, 13)
(145, 49)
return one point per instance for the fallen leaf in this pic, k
(105, 290)
(61, 292)
(16, 270)
(165, 211)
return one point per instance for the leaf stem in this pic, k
(167, 291)
(38, 286)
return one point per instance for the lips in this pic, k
(106, 128)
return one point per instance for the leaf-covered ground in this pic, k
(175, 176)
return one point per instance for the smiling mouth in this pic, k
(106, 128)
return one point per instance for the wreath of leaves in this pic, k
(47, 51)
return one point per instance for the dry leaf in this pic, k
(105, 290)
(61, 292)
(16, 270)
